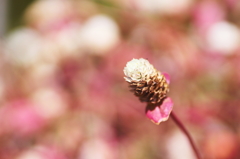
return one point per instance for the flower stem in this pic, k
(181, 126)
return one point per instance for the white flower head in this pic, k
(138, 69)
(223, 37)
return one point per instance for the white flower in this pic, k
(177, 146)
(99, 34)
(168, 7)
(138, 69)
(24, 46)
(223, 37)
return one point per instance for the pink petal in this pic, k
(167, 76)
(159, 113)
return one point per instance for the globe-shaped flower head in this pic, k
(145, 81)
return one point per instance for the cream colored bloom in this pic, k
(138, 70)
(150, 86)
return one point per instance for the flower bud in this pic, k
(145, 81)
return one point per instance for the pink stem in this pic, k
(181, 126)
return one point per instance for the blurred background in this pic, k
(62, 92)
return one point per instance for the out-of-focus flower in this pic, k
(50, 103)
(219, 135)
(41, 152)
(28, 47)
(23, 47)
(99, 34)
(30, 155)
(168, 7)
(150, 86)
(223, 37)
(56, 22)
(49, 15)
(97, 148)
(206, 14)
(20, 118)
(171, 7)
(178, 146)
(101, 140)
(39, 75)
(224, 139)
(66, 40)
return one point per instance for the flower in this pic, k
(137, 70)
(151, 86)
(99, 34)
(223, 38)
(145, 81)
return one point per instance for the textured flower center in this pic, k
(138, 69)
(145, 81)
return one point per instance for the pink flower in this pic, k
(150, 86)
(206, 14)
(160, 113)
(21, 118)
